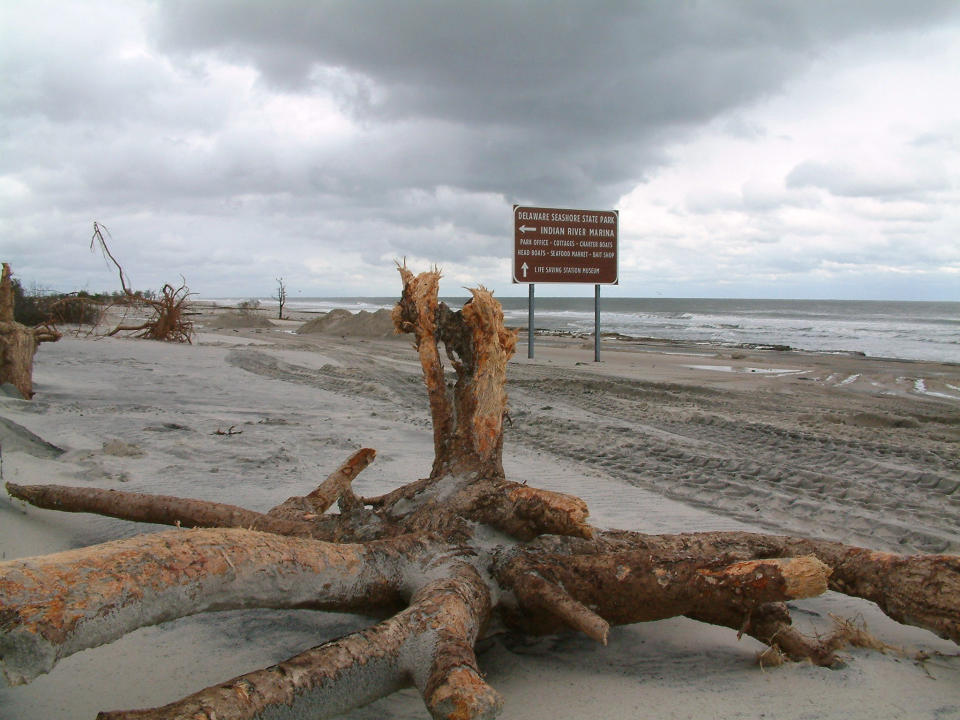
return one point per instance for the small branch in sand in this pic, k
(229, 431)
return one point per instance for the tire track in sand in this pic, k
(742, 456)
(746, 456)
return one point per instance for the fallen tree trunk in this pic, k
(439, 556)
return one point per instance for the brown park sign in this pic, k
(553, 245)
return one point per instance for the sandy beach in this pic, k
(658, 437)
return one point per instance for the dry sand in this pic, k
(660, 438)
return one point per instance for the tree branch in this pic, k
(770, 624)
(449, 616)
(526, 512)
(162, 509)
(335, 487)
(536, 593)
(320, 683)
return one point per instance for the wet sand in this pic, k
(656, 437)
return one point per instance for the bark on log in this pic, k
(6, 294)
(919, 590)
(17, 348)
(162, 509)
(623, 588)
(55, 605)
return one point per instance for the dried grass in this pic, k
(846, 632)
(853, 632)
(772, 657)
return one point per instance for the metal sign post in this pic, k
(530, 326)
(596, 323)
(555, 245)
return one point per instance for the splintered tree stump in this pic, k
(439, 558)
(18, 343)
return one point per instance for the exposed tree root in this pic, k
(429, 644)
(159, 509)
(83, 598)
(845, 633)
(920, 590)
(437, 557)
(167, 320)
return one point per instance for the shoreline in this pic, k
(305, 315)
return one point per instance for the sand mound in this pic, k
(345, 323)
(15, 437)
(239, 320)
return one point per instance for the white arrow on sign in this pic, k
(524, 268)
(524, 228)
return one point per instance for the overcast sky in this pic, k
(753, 149)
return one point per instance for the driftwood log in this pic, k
(18, 343)
(441, 559)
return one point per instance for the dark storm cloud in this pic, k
(548, 100)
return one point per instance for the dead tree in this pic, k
(18, 343)
(281, 296)
(167, 313)
(440, 557)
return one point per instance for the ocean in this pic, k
(905, 330)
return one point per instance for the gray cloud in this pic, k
(155, 118)
(546, 100)
(847, 181)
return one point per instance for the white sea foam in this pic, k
(920, 387)
(748, 370)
